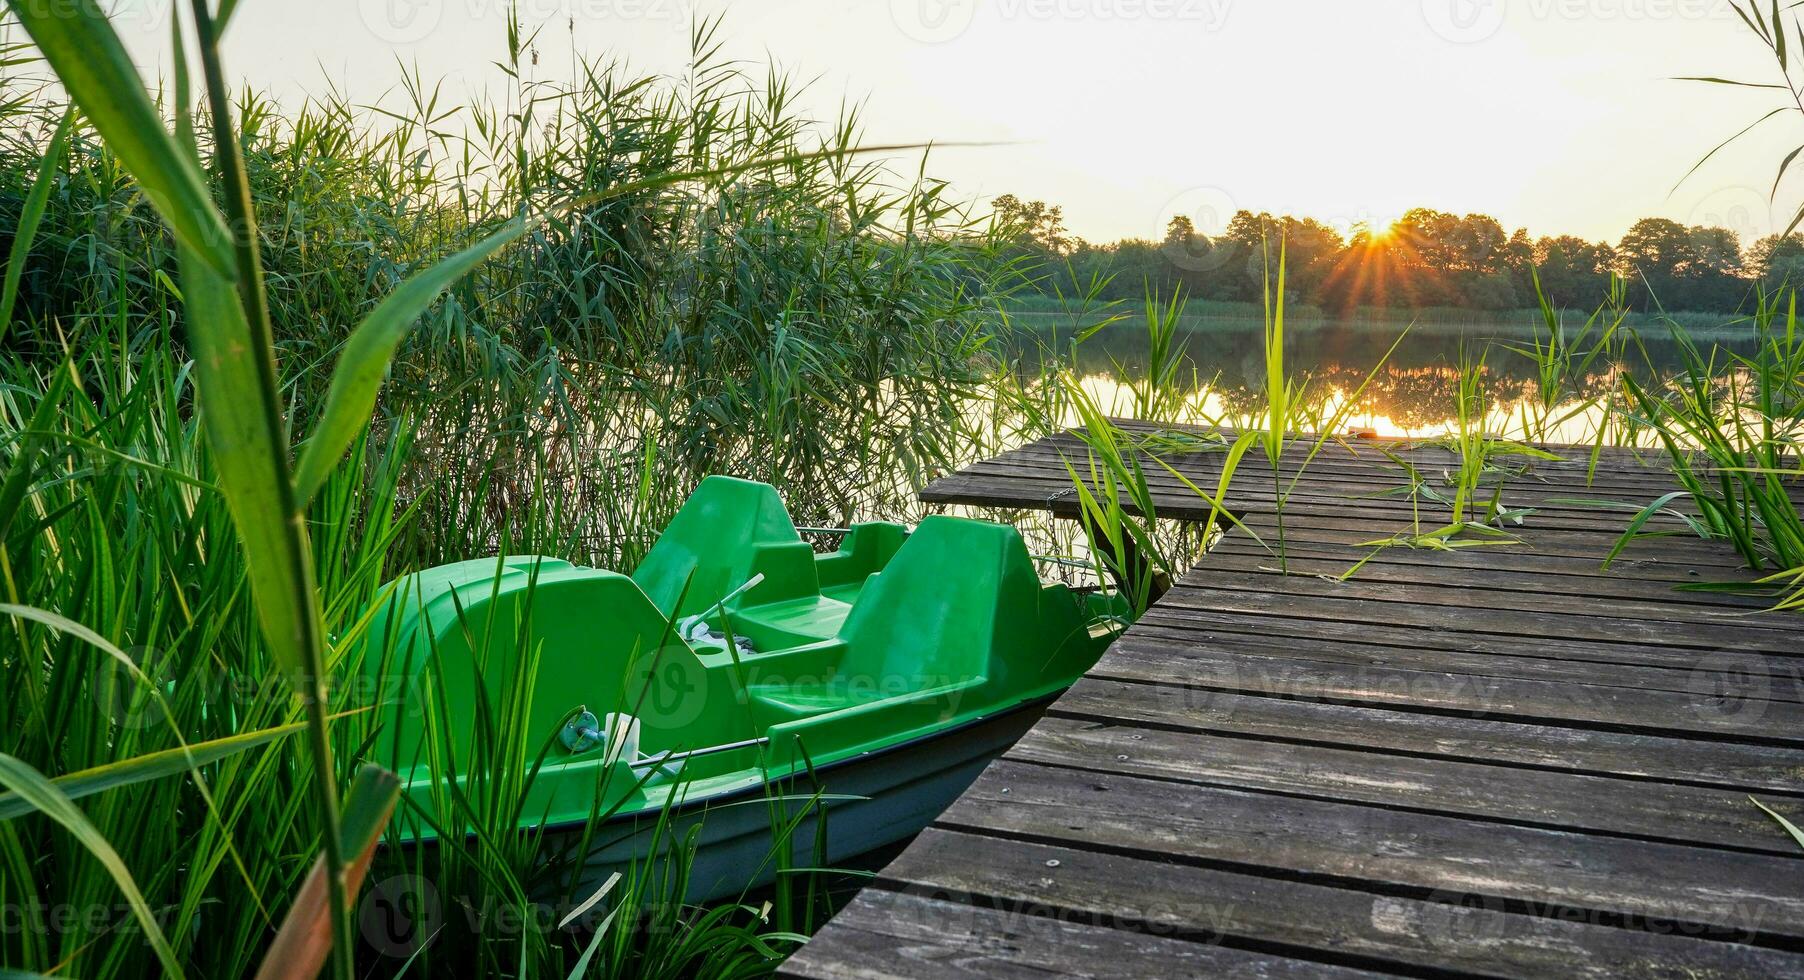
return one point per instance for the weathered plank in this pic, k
(1528, 797)
(1711, 714)
(1681, 552)
(1442, 931)
(1673, 624)
(1674, 559)
(1500, 569)
(1439, 608)
(930, 934)
(1170, 499)
(1740, 767)
(1770, 678)
(1749, 897)
(1345, 479)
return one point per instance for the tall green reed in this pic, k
(222, 282)
(121, 528)
(1291, 416)
(1124, 542)
(1732, 426)
(1116, 502)
(1564, 360)
(821, 323)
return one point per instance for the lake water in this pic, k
(1412, 393)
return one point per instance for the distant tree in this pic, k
(1191, 258)
(1035, 224)
(1519, 251)
(1490, 291)
(1717, 275)
(1310, 249)
(1714, 250)
(1774, 260)
(1424, 237)
(1574, 272)
(1680, 268)
(1652, 256)
(1241, 273)
(1441, 259)
(1361, 275)
(1476, 245)
(1518, 260)
(1139, 264)
(1180, 230)
(1655, 245)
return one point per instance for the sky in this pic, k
(1561, 116)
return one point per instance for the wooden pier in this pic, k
(1500, 761)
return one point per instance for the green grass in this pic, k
(1732, 426)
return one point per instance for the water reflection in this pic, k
(1222, 374)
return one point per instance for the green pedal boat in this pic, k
(734, 671)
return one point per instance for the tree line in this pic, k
(1427, 258)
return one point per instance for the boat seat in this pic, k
(865, 549)
(803, 620)
(928, 624)
(801, 701)
(726, 532)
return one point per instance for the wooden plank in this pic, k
(1735, 766)
(1504, 567)
(1173, 500)
(1727, 691)
(1322, 481)
(1311, 598)
(1343, 525)
(1673, 625)
(1527, 797)
(1337, 465)
(1351, 532)
(1593, 540)
(1301, 443)
(1439, 931)
(1576, 458)
(932, 933)
(1357, 469)
(1136, 657)
(1338, 477)
(1723, 676)
(1329, 480)
(1684, 551)
(1750, 897)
